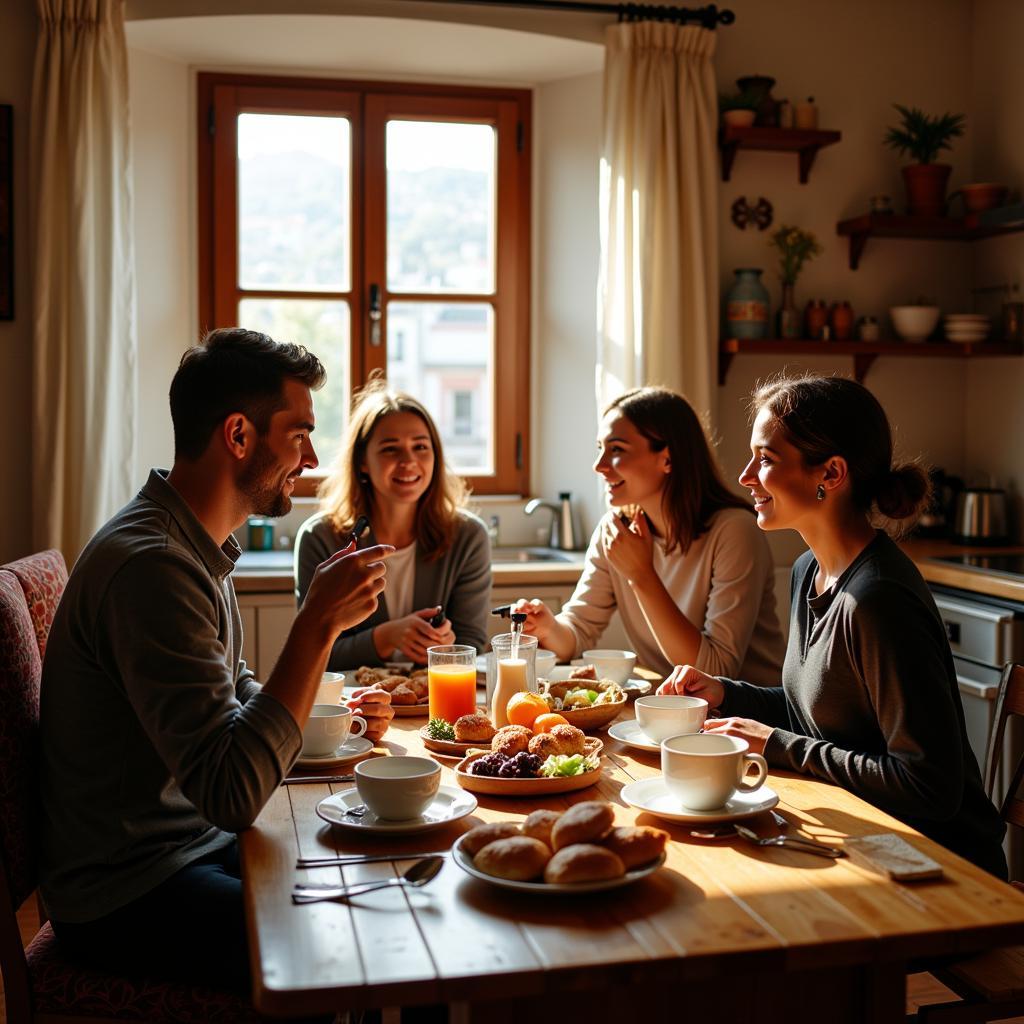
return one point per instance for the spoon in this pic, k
(798, 843)
(413, 877)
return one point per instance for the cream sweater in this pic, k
(723, 584)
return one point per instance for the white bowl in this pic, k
(331, 686)
(615, 665)
(914, 323)
(545, 662)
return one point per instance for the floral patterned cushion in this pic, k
(42, 577)
(20, 670)
(59, 987)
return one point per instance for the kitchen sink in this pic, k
(502, 554)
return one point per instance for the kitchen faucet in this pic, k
(564, 530)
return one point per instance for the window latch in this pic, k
(375, 314)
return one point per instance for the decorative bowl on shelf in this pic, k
(914, 323)
(981, 196)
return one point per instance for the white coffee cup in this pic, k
(331, 686)
(544, 662)
(670, 714)
(398, 788)
(705, 769)
(611, 664)
(327, 729)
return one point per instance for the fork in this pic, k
(792, 842)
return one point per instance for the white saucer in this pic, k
(463, 859)
(353, 747)
(628, 731)
(450, 804)
(653, 796)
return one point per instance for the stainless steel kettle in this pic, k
(980, 516)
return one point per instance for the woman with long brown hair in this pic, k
(678, 554)
(392, 470)
(869, 697)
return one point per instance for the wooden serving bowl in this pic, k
(493, 786)
(597, 716)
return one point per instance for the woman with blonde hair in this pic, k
(678, 555)
(392, 470)
(869, 696)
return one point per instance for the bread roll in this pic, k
(544, 744)
(582, 823)
(477, 838)
(511, 739)
(518, 858)
(473, 729)
(583, 862)
(570, 739)
(635, 845)
(538, 825)
(402, 696)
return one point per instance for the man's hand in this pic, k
(345, 588)
(412, 635)
(374, 705)
(691, 682)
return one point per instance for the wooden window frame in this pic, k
(219, 96)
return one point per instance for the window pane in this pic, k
(440, 206)
(446, 359)
(294, 193)
(324, 328)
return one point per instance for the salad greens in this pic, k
(568, 764)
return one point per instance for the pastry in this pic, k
(570, 740)
(402, 696)
(511, 739)
(419, 687)
(366, 676)
(473, 729)
(538, 825)
(635, 845)
(583, 862)
(583, 672)
(519, 858)
(544, 744)
(585, 822)
(477, 838)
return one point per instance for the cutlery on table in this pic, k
(413, 877)
(363, 858)
(296, 780)
(799, 843)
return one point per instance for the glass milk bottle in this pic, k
(511, 668)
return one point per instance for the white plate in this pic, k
(465, 862)
(353, 747)
(653, 796)
(450, 804)
(628, 731)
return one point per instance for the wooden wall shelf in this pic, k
(864, 352)
(782, 140)
(894, 225)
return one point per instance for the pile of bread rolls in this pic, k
(581, 844)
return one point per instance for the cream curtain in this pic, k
(658, 290)
(84, 328)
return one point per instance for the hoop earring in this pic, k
(820, 493)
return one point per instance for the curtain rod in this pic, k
(709, 16)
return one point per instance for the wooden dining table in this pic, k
(724, 931)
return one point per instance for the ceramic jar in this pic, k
(840, 319)
(867, 329)
(815, 318)
(787, 319)
(746, 305)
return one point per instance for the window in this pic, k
(384, 226)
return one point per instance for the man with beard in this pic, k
(157, 744)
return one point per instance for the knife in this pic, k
(363, 858)
(294, 780)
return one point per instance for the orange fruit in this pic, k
(524, 707)
(545, 723)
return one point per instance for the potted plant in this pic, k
(739, 108)
(923, 137)
(795, 247)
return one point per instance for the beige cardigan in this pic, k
(723, 584)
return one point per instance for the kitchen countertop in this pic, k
(947, 574)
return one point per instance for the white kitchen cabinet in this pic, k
(266, 620)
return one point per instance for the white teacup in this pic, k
(398, 788)
(704, 770)
(670, 714)
(544, 662)
(614, 665)
(328, 727)
(331, 686)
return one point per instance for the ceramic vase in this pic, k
(840, 318)
(787, 319)
(815, 317)
(746, 305)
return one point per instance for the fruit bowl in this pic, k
(914, 323)
(492, 785)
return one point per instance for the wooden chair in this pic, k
(40, 986)
(991, 985)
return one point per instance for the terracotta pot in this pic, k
(739, 118)
(926, 189)
(840, 318)
(979, 197)
(815, 317)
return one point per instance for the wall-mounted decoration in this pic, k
(6, 212)
(759, 214)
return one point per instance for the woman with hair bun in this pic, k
(869, 697)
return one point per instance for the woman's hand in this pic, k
(412, 635)
(691, 682)
(551, 634)
(374, 705)
(630, 549)
(755, 733)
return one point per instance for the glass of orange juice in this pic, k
(451, 681)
